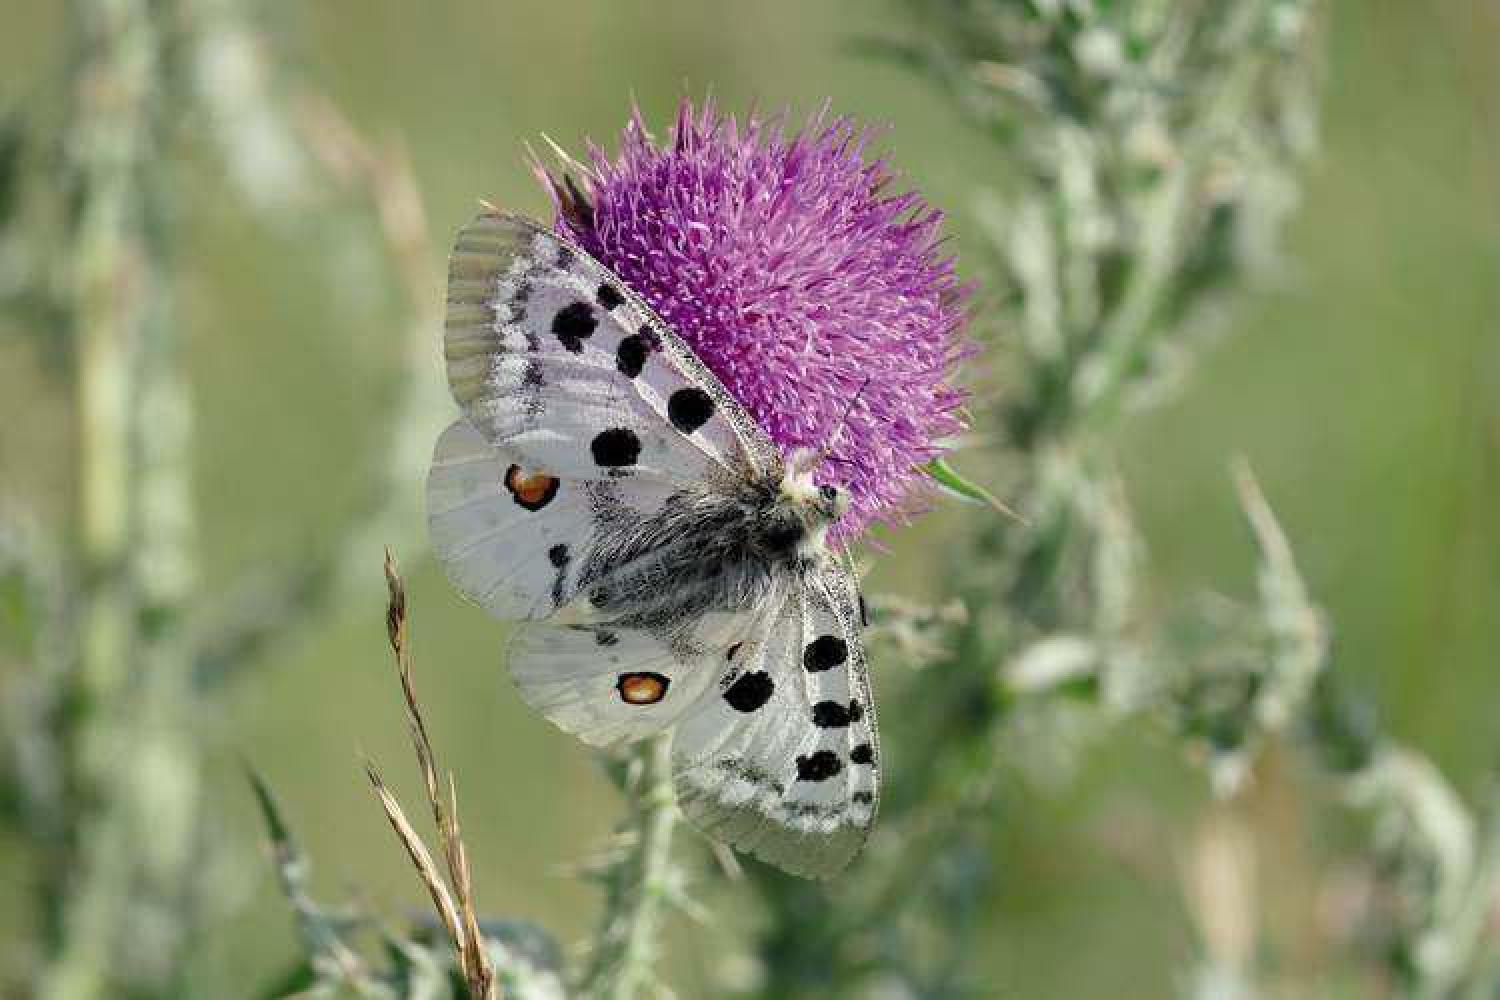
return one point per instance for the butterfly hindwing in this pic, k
(551, 356)
(606, 684)
(784, 762)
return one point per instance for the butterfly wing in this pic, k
(781, 760)
(551, 355)
(512, 540)
(523, 549)
(609, 685)
(582, 411)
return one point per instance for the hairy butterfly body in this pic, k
(669, 565)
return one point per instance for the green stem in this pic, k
(1131, 327)
(639, 884)
(131, 785)
(110, 280)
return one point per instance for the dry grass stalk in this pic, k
(454, 898)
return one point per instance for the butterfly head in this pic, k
(834, 502)
(826, 503)
(794, 523)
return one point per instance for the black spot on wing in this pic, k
(819, 766)
(630, 356)
(750, 691)
(573, 323)
(608, 296)
(833, 715)
(862, 754)
(616, 447)
(824, 653)
(689, 409)
(605, 637)
(863, 798)
(559, 556)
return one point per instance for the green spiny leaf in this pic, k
(954, 483)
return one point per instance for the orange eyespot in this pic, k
(533, 491)
(645, 688)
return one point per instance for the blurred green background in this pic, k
(1364, 388)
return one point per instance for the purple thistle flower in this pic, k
(799, 281)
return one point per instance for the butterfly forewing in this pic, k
(551, 355)
(576, 387)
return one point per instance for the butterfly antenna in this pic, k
(567, 159)
(849, 565)
(838, 430)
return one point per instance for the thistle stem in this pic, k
(639, 883)
(127, 851)
(110, 278)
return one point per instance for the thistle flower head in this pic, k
(821, 301)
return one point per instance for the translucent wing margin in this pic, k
(782, 761)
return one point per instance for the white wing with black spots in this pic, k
(551, 356)
(608, 684)
(512, 540)
(784, 762)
